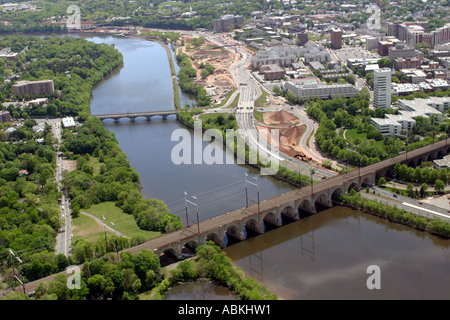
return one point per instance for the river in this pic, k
(325, 256)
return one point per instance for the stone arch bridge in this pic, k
(293, 205)
(134, 115)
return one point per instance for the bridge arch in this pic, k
(273, 218)
(214, 237)
(235, 232)
(172, 252)
(322, 200)
(189, 247)
(254, 225)
(441, 154)
(290, 212)
(335, 194)
(305, 208)
(367, 181)
(353, 185)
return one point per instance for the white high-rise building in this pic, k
(382, 88)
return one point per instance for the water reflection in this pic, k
(326, 256)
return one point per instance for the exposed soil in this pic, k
(288, 140)
(219, 83)
(280, 118)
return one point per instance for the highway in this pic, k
(405, 203)
(250, 90)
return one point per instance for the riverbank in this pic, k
(436, 226)
(283, 174)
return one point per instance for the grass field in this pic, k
(123, 222)
(258, 116)
(353, 133)
(87, 228)
(261, 101)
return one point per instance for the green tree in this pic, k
(410, 189)
(423, 189)
(439, 185)
(382, 182)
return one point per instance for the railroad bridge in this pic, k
(134, 115)
(293, 205)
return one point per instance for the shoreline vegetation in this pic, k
(283, 173)
(434, 226)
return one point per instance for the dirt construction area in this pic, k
(289, 134)
(219, 83)
(280, 118)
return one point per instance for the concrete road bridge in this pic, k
(134, 115)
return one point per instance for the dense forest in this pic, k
(29, 208)
(75, 65)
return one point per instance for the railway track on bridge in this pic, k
(205, 226)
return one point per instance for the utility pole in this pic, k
(16, 276)
(257, 191)
(346, 159)
(312, 171)
(186, 209)
(115, 238)
(196, 206)
(246, 191)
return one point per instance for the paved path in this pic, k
(103, 224)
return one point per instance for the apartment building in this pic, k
(382, 88)
(22, 88)
(286, 55)
(336, 38)
(322, 91)
(271, 72)
(417, 32)
(225, 22)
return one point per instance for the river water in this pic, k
(325, 256)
